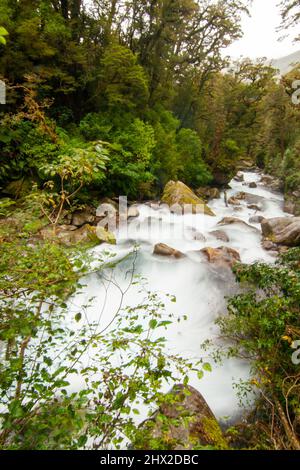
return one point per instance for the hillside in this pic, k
(286, 63)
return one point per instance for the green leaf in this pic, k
(152, 324)
(206, 366)
(78, 316)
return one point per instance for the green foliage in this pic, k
(193, 171)
(262, 324)
(123, 80)
(3, 33)
(121, 368)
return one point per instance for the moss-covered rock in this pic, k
(177, 193)
(18, 188)
(183, 421)
(71, 235)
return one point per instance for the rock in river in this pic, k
(164, 250)
(222, 256)
(282, 230)
(236, 221)
(177, 193)
(220, 235)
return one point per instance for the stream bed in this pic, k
(199, 287)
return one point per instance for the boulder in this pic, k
(233, 201)
(246, 165)
(177, 193)
(162, 249)
(254, 207)
(183, 422)
(256, 219)
(222, 256)
(239, 177)
(289, 206)
(19, 188)
(269, 246)
(272, 182)
(71, 235)
(220, 235)
(208, 193)
(236, 221)
(105, 236)
(196, 234)
(133, 212)
(84, 216)
(252, 185)
(282, 230)
(250, 198)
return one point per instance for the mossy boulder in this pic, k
(18, 188)
(184, 421)
(177, 193)
(71, 235)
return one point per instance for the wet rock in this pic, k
(133, 212)
(71, 235)
(251, 199)
(239, 177)
(84, 216)
(246, 165)
(196, 235)
(220, 235)
(282, 230)
(254, 207)
(269, 246)
(208, 193)
(105, 236)
(236, 221)
(256, 219)
(177, 193)
(162, 249)
(233, 201)
(184, 421)
(272, 183)
(222, 256)
(252, 185)
(289, 206)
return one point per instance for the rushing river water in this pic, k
(198, 286)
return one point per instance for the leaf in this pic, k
(78, 317)
(152, 324)
(200, 374)
(3, 31)
(206, 366)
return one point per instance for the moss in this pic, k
(179, 193)
(214, 433)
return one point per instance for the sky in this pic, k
(260, 35)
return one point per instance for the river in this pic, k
(200, 288)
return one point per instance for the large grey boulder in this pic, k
(282, 230)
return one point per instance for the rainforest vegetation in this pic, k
(107, 98)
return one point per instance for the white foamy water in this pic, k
(199, 287)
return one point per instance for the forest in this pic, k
(109, 98)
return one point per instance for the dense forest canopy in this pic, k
(147, 78)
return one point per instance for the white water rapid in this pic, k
(198, 286)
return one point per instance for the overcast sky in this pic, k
(260, 36)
